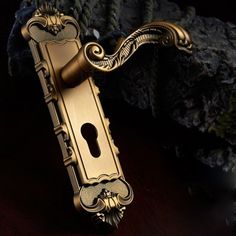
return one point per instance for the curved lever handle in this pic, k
(92, 55)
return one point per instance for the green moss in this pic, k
(225, 126)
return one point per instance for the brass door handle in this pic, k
(92, 55)
(89, 153)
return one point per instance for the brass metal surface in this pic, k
(64, 66)
(92, 55)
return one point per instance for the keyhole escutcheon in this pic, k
(90, 134)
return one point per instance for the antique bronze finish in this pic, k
(64, 67)
(92, 56)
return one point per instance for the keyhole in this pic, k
(90, 134)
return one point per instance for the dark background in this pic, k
(173, 197)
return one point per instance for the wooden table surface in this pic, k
(173, 197)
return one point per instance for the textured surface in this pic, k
(197, 92)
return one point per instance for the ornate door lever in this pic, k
(64, 66)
